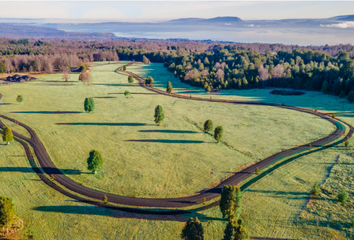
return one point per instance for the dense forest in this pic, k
(207, 64)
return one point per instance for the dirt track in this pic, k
(49, 168)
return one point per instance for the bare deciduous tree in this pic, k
(263, 73)
(278, 71)
(66, 71)
(220, 74)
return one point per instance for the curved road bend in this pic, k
(48, 166)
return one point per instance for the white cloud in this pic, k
(339, 25)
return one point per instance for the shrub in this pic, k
(208, 125)
(316, 189)
(169, 87)
(19, 98)
(342, 196)
(124, 68)
(333, 116)
(346, 143)
(6, 212)
(149, 81)
(257, 170)
(105, 199)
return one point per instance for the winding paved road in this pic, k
(72, 188)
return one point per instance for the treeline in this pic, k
(230, 67)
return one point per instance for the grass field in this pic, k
(271, 207)
(141, 158)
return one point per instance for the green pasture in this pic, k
(175, 159)
(140, 158)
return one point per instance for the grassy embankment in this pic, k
(249, 130)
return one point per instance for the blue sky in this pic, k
(135, 11)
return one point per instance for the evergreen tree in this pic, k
(229, 232)
(325, 87)
(105, 199)
(218, 132)
(316, 189)
(124, 67)
(130, 79)
(169, 87)
(19, 98)
(241, 233)
(342, 196)
(193, 230)
(159, 115)
(7, 135)
(342, 94)
(2, 67)
(351, 96)
(89, 105)
(94, 162)
(6, 212)
(208, 125)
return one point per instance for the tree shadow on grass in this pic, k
(48, 112)
(164, 141)
(46, 169)
(115, 85)
(106, 124)
(137, 93)
(104, 97)
(168, 131)
(54, 81)
(132, 213)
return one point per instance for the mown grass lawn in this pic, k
(179, 162)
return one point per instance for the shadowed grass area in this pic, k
(48, 112)
(168, 131)
(164, 141)
(105, 124)
(47, 170)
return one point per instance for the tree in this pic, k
(169, 87)
(316, 189)
(208, 125)
(149, 81)
(7, 134)
(95, 161)
(124, 67)
(66, 71)
(146, 60)
(193, 230)
(105, 199)
(218, 132)
(230, 202)
(19, 98)
(346, 143)
(229, 232)
(126, 93)
(2, 67)
(89, 105)
(342, 94)
(325, 87)
(159, 115)
(6, 212)
(342, 196)
(241, 233)
(130, 79)
(257, 170)
(351, 96)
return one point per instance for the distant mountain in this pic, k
(344, 18)
(197, 21)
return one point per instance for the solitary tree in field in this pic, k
(66, 71)
(149, 81)
(105, 199)
(218, 132)
(126, 93)
(7, 135)
(316, 189)
(6, 212)
(342, 196)
(159, 115)
(19, 98)
(94, 162)
(169, 87)
(230, 202)
(193, 230)
(257, 170)
(130, 79)
(124, 67)
(89, 105)
(208, 125)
